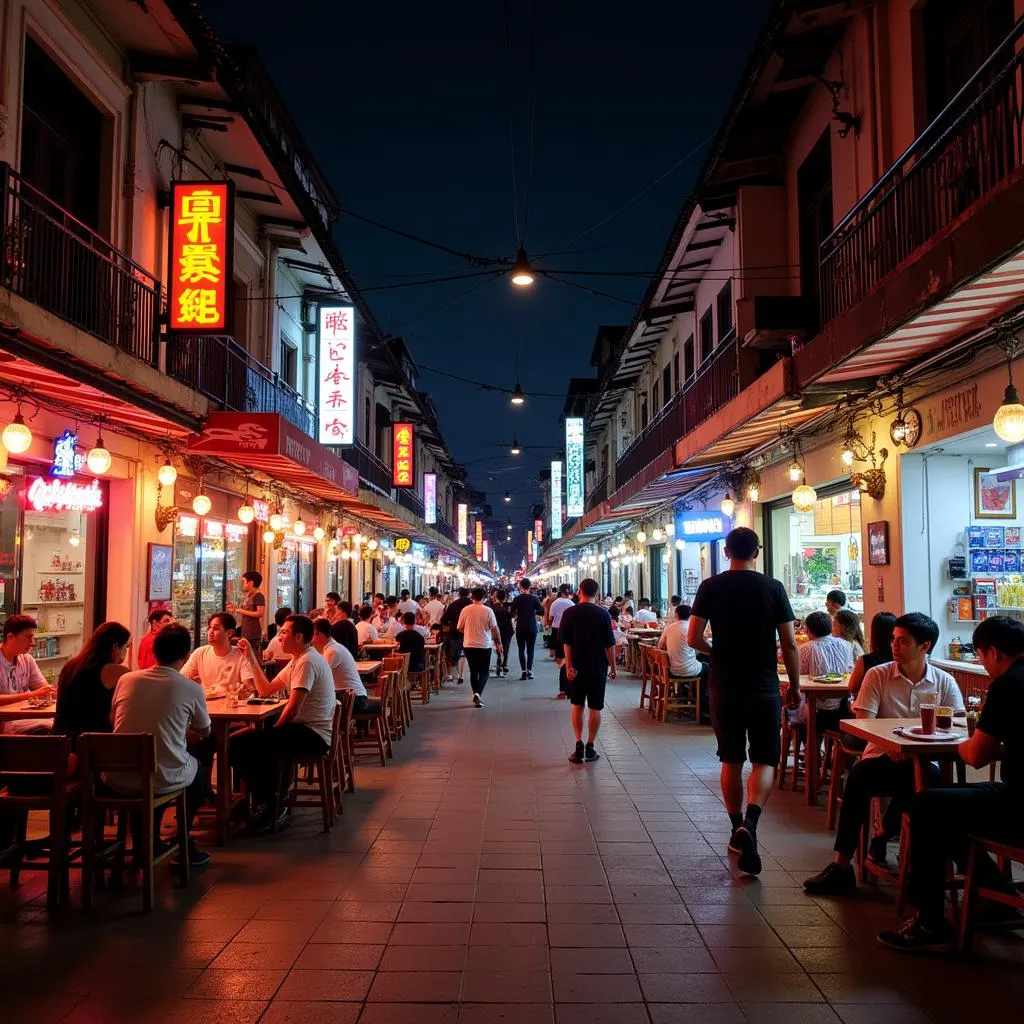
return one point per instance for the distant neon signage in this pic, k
(486, 550)
(529, 545)
(402, 455)
(402, 545)
(463, 523)
(262, 510)
(430, 498)
(538, 530)
(64, 496)
(202, 242)
(702, 527)
(336, 413)
(479, 539)
(556, 500)
(574, 465)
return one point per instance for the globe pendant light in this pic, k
(268, 536)
(167, 474)
(98, 459)
(246, 513)
(319, 533)
(804, 498)
(795, 471)
(1008, 422)
(275, 521)
(201, 503)
(17, 438)
(728, 505)
(299, 527)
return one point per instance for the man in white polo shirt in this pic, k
(893, 690)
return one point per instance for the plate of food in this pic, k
(832, 677)
(914, 732)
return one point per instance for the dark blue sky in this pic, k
(406, 108)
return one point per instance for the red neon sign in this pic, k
(199, 268)
(64, 496)
(402, 455)
(479, 539)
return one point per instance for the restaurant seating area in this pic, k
(478, 876)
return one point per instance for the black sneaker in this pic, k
(914, 936)
(578, 755)
(733, 845)
(529, 675)
(459, 680)
(746, 842)
(525, 675)
(833, 881)
(196, 858)
(878, 849)
(590, 754)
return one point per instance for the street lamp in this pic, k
(516, 449)
(508, 496)
(518, 396)
(522, 272)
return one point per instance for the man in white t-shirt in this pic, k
(216, 666)
(303, 728)
(162, 701)
(644, 615)
(407, 604)
(558, 608)
(682, 658)
(435, 606)
(479, 629)
(339, 658)
(365, 630)
(893, 690)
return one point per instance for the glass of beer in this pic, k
(972, 722)
(928, 717)
(944, 719)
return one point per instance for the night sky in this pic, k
(406, 108)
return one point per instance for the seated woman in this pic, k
(846, 625)
(882, 626)
(85, 688)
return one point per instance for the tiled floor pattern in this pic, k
(481, 879)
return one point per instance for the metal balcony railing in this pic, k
(372, 472)
(598, 493)
(58, 263)
(219, 368)
(972, 146)
(716, 382)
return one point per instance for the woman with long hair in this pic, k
(846, 625)
(85, 688)
(882, 626)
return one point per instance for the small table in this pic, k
(21, 710)
(221, 719)
(879, 731)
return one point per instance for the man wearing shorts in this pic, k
(747, 610)
(585, 633)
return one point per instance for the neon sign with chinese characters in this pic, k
(556, 500)
(202, 243)
(463, 523)
(430, 498)
(64, 496)
(479, 539)
(337, 375)
(574, 470)
(402, 455)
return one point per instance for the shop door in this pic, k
(287, 575)
(305, 597)
(659, 575)
(211, 570)
(186, 566)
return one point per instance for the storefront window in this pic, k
(296, 583)
(211, 570)
(815, 552)
(186, 562)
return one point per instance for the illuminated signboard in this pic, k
(403, 544)
(262, 510)
(463, 523)
(529, 545)
(538, 530)
(430, 498)
(574, 465)
(64, 496)
(486, 550)
(337, 368)
(702, 527)
(66, 460)
(402, 455)
(556, 500)
(202, 244)
(479, 539)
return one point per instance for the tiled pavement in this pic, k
(481, 878)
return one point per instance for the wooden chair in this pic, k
(318, 789)
(397, 663)
(133, 753)
(34, 777)
(378, 735)
(843, 759)
(657, 669)
(1007, 855)
(344, 774)
(421, 683)
(792, 741)
(643, 663)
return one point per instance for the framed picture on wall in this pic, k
(158, 573)
(994, 499)
(878, 543)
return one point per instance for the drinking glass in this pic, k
(928, 718)
(233, 693)
(944, 719)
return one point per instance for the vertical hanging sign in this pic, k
(538, 530)
(463, 515)
(402, 455)
(556, 500)
(486, 550)
(202, 239)
(479, 539)
(430, 498)
(337, 368)
(529, 545)
(574, 465)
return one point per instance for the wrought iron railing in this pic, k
(598, 493)
(58, 263)
(972, 146)
(372, 472)
(222, 370)
(716, 382)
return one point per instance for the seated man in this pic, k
(332, 604)
(162, 701)
(303, 728)
(20, 676)
(893, 690)
(644, 615)
(823, 655)
(343, 629)
(342, 664)
(272, 652)
(682, 658)
(217, 665)
(410, 641)
(942, 819)
(365, 630)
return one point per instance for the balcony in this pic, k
(717, 381)
(219, 368)
(59, 264)
(598, 493)
(973, 146)
(372, 472)
(409, 499)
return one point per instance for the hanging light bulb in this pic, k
(319, 533)
(276, 521)
(508, 496)
(804, 498)
(299, 527)
(795, 471)
(17, 438)
(657, 534)
(74, 538)
(358, 539)
(641, 537)
(846, 456)
(372, 545)
(201, 503)
(246, 513)
(167, 474)
(98, 459)
(518, 396)
(680, 544)
(728, 505)
(522, 272)
(670, 529)
(753, 492)
(516, 449)
(1008, 421)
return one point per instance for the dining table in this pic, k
(25, 709)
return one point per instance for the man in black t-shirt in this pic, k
(585, 633)
(343, 629)
(747, 610)
(411, 642)
(449, 622)
(942, 819)
(526, 607)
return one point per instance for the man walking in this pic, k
(586, 636)
(526, 607)
(559, 607)
(479, 630)
(746, 610)
(450, 623)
